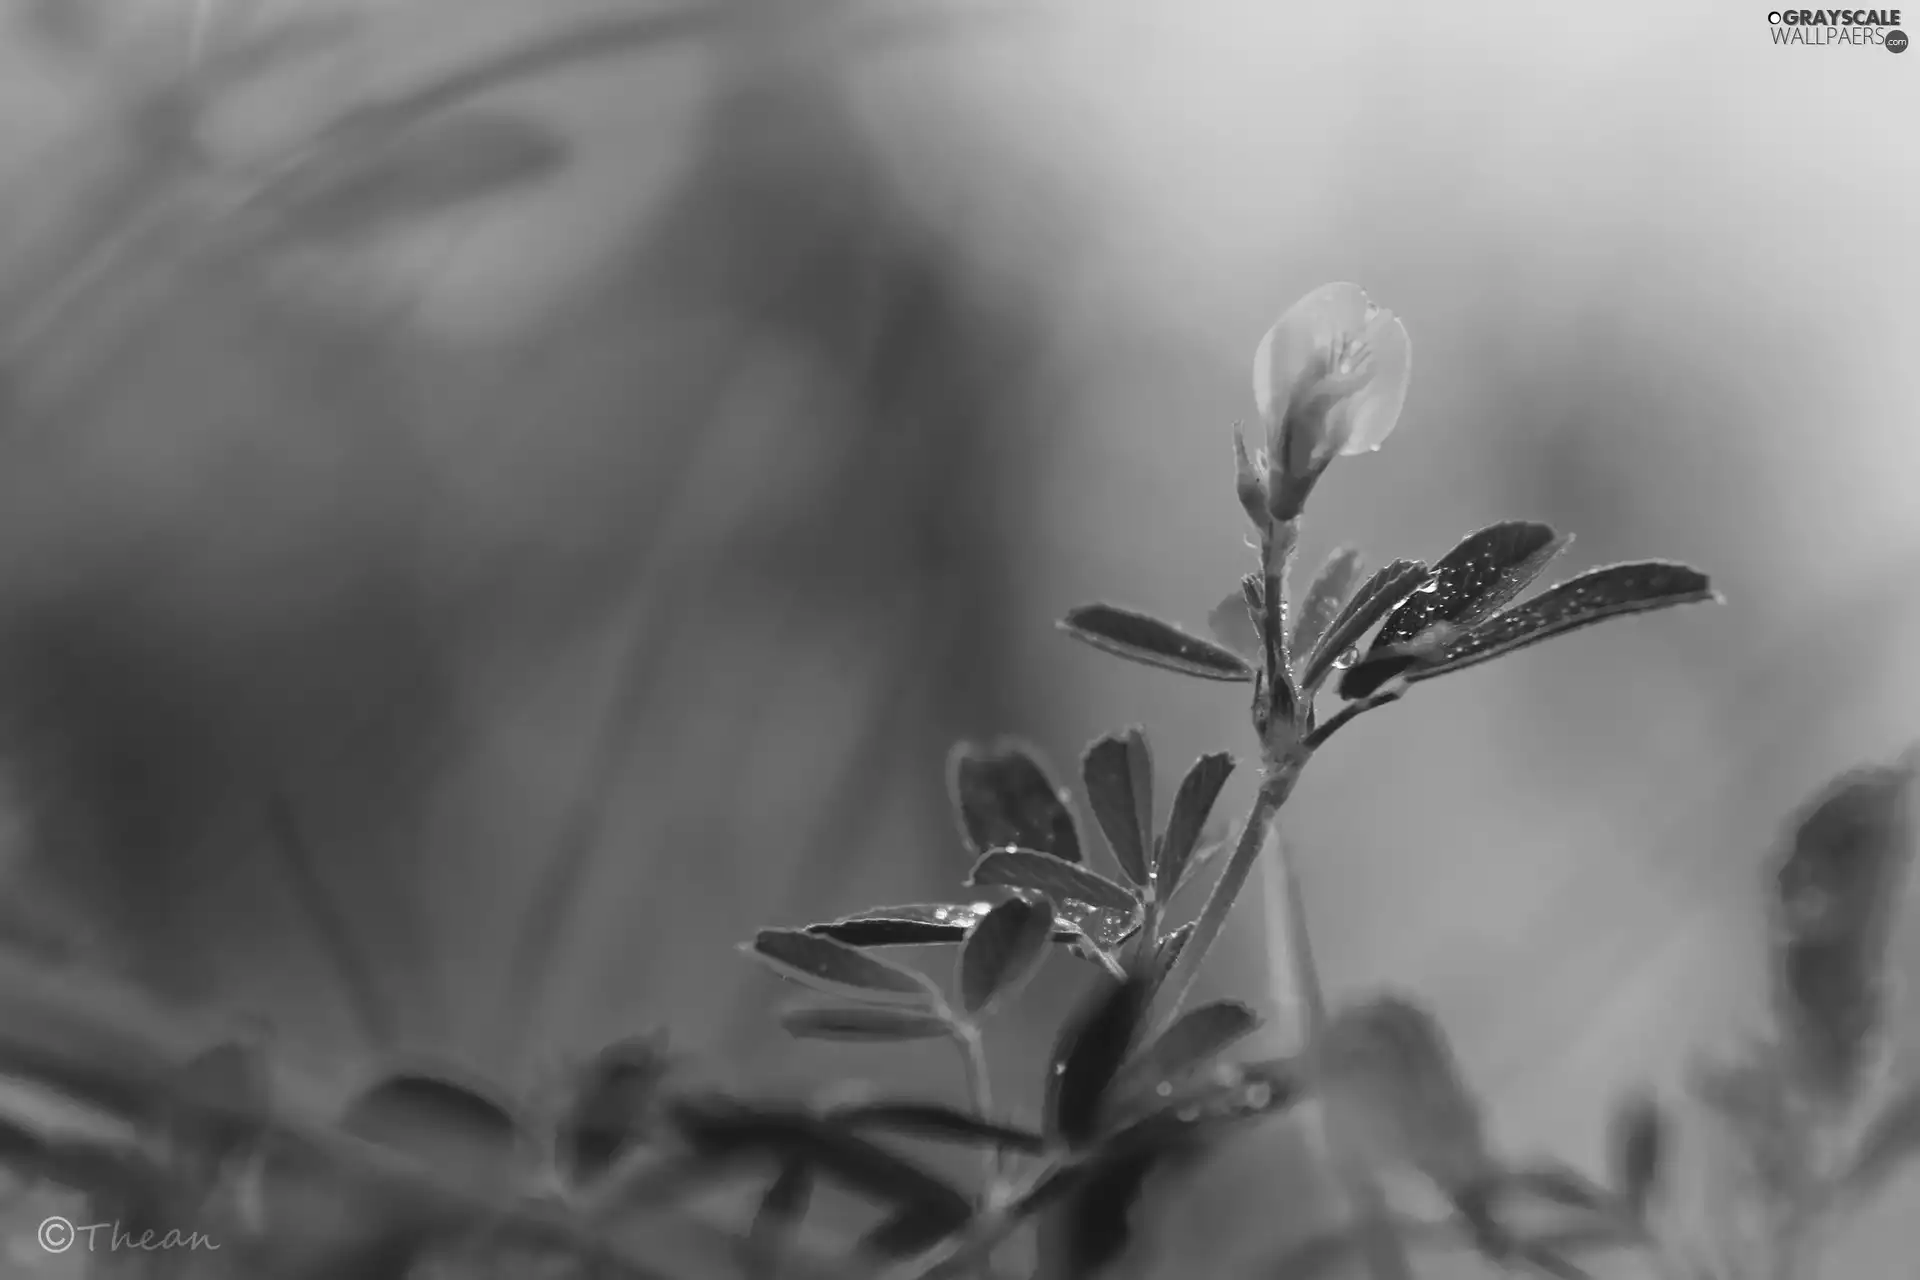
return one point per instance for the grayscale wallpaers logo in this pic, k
(1862, 27)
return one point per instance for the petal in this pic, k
(1302, 338)
(1372, 412)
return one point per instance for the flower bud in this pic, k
(1329, 379)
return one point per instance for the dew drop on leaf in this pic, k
(1164, 1089)
(1428, 587)
(1347, 658)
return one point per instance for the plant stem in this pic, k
(1226, 891)
(1382, 1249)
(973, 1061)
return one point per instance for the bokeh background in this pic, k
(671, 516)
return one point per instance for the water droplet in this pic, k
(1347, 658)
(981, 908)
(1259, 1095)
(1428, 587)
(1187, 1115)
(1164, 1089)
(942, 914)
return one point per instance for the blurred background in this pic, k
(656, 471)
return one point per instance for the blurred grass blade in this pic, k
(1891, 1144)
(1004, 795)
(444, 163)
(939, 1123)
(1140, 638)
(1636, 1143)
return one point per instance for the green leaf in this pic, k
(1610, 592)
(1376, 597)
(725, 1130)
(1088, 1053)
(869, 1023)
(1118, 772)
(1234, 625)
(918, 924)
(1003, 951)
(1192, 806)
(455, 1125)
(1636, 1143)
(220, 1107)
(1136, 636)
(1891, 1143)
(369, 179)
(1063, 882)
(614, 1107)
(1199, 1036)
(1167, 952)
(1004, 795)
(1481, 574)
(778, 1218)
(1332, 588)
(939, 1123)
(834, 967)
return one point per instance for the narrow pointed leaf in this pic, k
(1003, 951)
(726, 1130)
(1061, 881)
(1636, 1146)
(781, 1210)
(939, 1123)
(430, 168)
(615, 1107)
(909, 1233)
(1482, 574)
(1233, 625)
(1611, 592)
(1167, 953)
(917, 924)
(1891, 1143)
(869, 1023)
(1199, 1036)
(826, 965)
(1118, 772)
(1377, 597)
(1004, 796)
(1091, 1047)
(1332, 587)
(1136, 636)
(221, 1105)
(1192, 806)
(449, 1123)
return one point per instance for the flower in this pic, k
(1329, 379)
